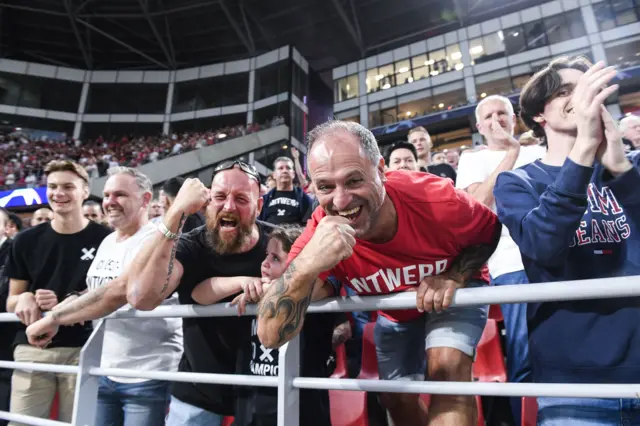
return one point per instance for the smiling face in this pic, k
(123, 202)
(66, 191)
(231, 214)
(558, 114)
(347, 182)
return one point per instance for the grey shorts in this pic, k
(401, 346)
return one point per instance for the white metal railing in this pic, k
(288, 382)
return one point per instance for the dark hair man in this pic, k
(574, 216)
(385, 233)
(45, 264)
(402, 156)
(41, 215)
(286, 203)
(92, 210)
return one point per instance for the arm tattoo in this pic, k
(80, 303)
(471, 258)
(173, 255)
(278, 303)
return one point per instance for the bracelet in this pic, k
(73, 293)
(166, 232)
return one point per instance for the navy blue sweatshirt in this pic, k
(573, 223)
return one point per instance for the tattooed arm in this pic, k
(472, 258)
(282, 310)
(155, 273)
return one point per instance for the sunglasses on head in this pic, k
(247, 168)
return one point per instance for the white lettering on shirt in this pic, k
(409, 275)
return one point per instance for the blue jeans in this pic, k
(183, 414)
(588, 412)
(517, 341)
(132, 404)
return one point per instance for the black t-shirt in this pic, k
(443, 170)
(283, 208)
(192, 222)
(58, 262)
(211, 344)
(257, 406)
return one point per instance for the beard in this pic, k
(230, 244)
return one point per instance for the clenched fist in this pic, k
(332, 242)
(192, 197)
(46, 299)
(41, 332)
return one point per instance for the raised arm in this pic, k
(155, 272)
(282, 310)
(214, 289)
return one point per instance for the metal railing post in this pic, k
(288, 396)
(86, 398)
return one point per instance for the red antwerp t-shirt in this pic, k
(435, 222)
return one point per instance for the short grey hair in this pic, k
(500, 98)
(279, 159)
(367, 140)
(143, 182)
(624, 123)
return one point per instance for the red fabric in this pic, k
(435, 222)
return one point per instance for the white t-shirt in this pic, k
(475, 167)
(136, 343)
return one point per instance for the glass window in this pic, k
(301, 83)
(232, 89)
(604, 16)
(502, 86)
(383, 117)
(414, 109)
(535, 34)
(272, 80)
(557, 29)
(403, 72)
(209, 123)
(346, 88)
(514, 40)
(126, 98)
(373, 80)
(519, 81)
(476, 50)
(576, 23)
(449, 100)
(420, 66)
(438, 62)
(454, 57)
(388, 78)
(37, 123)
(624, 55)
(40, 92)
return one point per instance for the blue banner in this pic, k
(23, 197)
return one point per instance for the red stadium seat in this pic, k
(495, 313)
(489, 365)
(348, 408)
(529, 411)
(54, 408)
(369, 369)
(227, 421)
(341, 363)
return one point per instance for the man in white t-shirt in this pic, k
(140, 344)
(477, 173)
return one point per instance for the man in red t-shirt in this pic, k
(386, 233)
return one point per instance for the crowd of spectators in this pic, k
(519, 215)
(22, 159)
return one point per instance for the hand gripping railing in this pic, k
(288, 383)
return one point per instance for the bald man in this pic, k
(40, 216)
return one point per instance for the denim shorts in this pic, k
(401, 346)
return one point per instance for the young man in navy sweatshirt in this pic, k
(573, 215)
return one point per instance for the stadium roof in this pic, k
(167, 34)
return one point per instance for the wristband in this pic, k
(166, 232)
